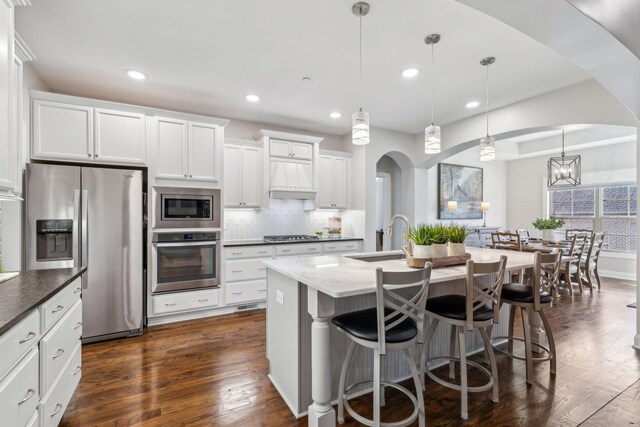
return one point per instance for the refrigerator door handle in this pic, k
(85, 236)
(76, 229)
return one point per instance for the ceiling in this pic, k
(206, 55)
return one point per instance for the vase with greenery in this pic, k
(440, 239)
(548, 226)
(422, 238)
(456, 235)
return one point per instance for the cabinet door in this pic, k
(62, 131)
(203, 156)
(233, 176)
(325, 186)
(279, 148)
(8, 159)
(171, 138)
(301, 150)
(119, 137)
(252, 178)
(340, 182)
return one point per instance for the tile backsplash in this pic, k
(283, 216)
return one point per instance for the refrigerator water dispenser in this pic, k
(54, 241)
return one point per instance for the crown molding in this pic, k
(16, 3)
(286, 136)
(245, 142)
(22, 50)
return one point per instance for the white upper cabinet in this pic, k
(172, 144)
(280, 148)
(81, 130)
(333, 191)
(186, 150)
(292, 150)
(62, 131)
(7, 149)
(119, 137)
(243, 176)
(203, 156)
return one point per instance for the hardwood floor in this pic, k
(213, 372)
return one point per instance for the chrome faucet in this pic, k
(390, 227)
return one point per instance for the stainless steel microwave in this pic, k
(186, 207)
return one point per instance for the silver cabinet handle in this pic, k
(77, 290)
(96, 155)
(236, 253)
(286, 250)
(262, 290)
(203, 300)
(190, 176)
(57, 309)
(58, 409)
(262, 252)
(331, 247)
(237, 271)
(262, 268)
(311, 249)
(78, 369)
(77, 325)
(29, 337)
(30, 393)
(237, 293)
(88, 154)
(185, 175)
(170, 304)
(59, 353)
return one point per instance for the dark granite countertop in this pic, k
(255, 242)
(31, 288)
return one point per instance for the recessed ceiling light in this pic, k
(335, 115)
(252, 98)
(472, 104)
(409, 73)
(137, 75)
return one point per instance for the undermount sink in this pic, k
(378, 258)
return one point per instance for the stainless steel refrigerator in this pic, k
(81, 216)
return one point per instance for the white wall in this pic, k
(388, 165)
(527, 193)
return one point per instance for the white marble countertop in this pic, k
(341, 276)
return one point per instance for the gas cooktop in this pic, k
(290, 238)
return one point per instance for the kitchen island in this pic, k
(305, 351)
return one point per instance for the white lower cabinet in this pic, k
(18, 341)
(19, 392)
(246, 274)
(185, 301)
(336, 247)
(241, 292)
(53, 310)
(299, 249)
(54, 403)
(246, 269)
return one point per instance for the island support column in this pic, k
(321, 307)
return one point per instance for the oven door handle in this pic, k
(184, 244)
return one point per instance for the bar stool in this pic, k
(536, 297)
(394, 324)
(478, 309)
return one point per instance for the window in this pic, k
(610, 209)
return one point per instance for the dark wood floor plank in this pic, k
(213, 372)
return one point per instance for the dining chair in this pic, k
(570, 264)
(589, 261)
(524, 234)
(581, 232)
(477, 309)
(394, 324)
(537, 297)
(506, 240)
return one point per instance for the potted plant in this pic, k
(548, 226)
(422, 238)
(440, 238)
(456, 237)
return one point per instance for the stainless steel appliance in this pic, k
(186, 207)
(290, 238)
(184, 261)
(77, 216)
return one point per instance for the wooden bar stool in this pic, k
(478, 309)
(536, 297)
(395, 324)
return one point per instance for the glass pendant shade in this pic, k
(487, 149)
(432, 140)
(360, 128)
(563, 171)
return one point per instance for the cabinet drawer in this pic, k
(245, 270)
(248, 252)
(19, 392)
(329, 247)
(53, 405)
(15, 343)
(185, 301)
(240, 292)
(299, 249)
(57, 346)
(53, 310)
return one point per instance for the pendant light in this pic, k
(360, 119)
(563, 171)
(432, 133)
(488, 143)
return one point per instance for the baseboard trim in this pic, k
(617, 275)
(193, 315)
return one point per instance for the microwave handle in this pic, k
(188, 243)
